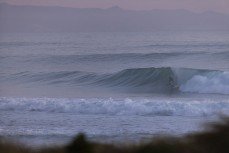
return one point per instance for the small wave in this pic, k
(125, 106)
(71, 59)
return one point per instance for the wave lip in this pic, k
(126, 106)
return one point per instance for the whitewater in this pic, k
(114, 87)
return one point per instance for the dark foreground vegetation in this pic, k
(214, 140)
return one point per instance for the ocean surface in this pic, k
(114, 87)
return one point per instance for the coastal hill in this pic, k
(18, 18)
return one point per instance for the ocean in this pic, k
(114, 87)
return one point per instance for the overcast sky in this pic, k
(193, 5)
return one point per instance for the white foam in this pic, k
(217, 83)
(126, 106)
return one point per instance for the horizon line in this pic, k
(115, 7)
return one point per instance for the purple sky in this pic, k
(193, 5)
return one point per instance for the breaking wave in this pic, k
(161, 80)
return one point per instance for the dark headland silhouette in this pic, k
(15, 18)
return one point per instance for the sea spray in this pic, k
(213, 82)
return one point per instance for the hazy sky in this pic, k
(193, 5)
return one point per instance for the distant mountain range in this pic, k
(15, 18)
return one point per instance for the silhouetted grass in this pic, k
(214, 140)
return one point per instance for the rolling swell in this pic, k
(71, 59)
(165, 79)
